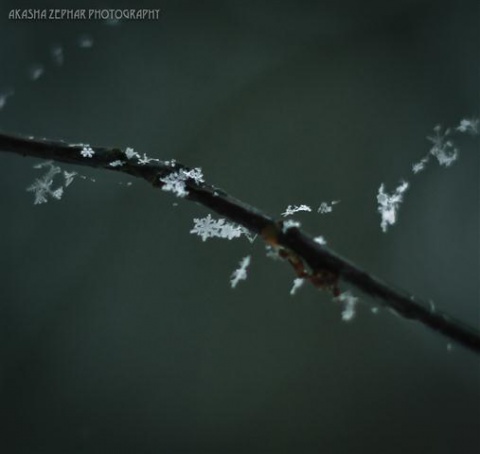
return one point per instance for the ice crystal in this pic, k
(176, 181)
(117, 163)
(42, 187)
(443, 148)
(69, 176)
(208, 227)
(388, 204)
(130, 153)
(326, 207)
(290, 224)
(320, 240)
(469, 125)
(292, 209)
(240, 274)
(297, 283)
(87, 151)
(349, 302)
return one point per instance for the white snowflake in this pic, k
(69, 176)
(470, 126)
(176, 181)
(388, 204)
(130, 153)
(420, 165)
(208, 227)
(297, 283)
(326, 207)
(349, 302)
(145, 159)
(42, 187)
(87, 151)
(292, 209)
(117, 163)
(443, 149)
(320, 240)
(240, 274)
(290, 224)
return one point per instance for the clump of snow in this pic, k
(327, 207)
(290, 224)
(388, 204)
(176, 181)
(297, 283)
(292, 209)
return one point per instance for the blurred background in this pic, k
(119, 331)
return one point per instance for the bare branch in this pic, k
(299, 248)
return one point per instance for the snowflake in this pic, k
(297, 283)
(176, 181)
(130, 153)
(419, 166)
(208, 227)
(240, 274)
(145, 159)
(443, 149)
(69, 176)
(326, 207)
(290, 224)
(42, 187)
(117, 163)
(320, 240)
(470, 126)
(349, 302)
(87, 151)
(388, 204)
(292, 209)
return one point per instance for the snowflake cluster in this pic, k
(42, 187)
(240, 274)
(176, 181)
(208, 227)
(388, 204)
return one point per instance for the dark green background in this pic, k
(119, 331)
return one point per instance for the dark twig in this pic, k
(297, 246)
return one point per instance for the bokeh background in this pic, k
(119, 331)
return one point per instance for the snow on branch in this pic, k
(309, 259)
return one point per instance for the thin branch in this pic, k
(296, 246)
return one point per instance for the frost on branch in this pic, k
(388, 204)
(240, 274)
(176, 181)
(349, 302)
(208, 227)
(292, 209)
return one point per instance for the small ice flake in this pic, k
(326, 207)
(388, 204)
(69, 176)
(85, 41)
(194, 174)
(289, 224)
(292, 209)
(240, 274)
(320, 240)
(130, 153)
(36, 71)
(470, 126)
(297, 283)
(145, 159)
(349, 302)
(117, 163)
(87, 151)
(4, 95)
(56, 51)
(420, 165)
(443, 149)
